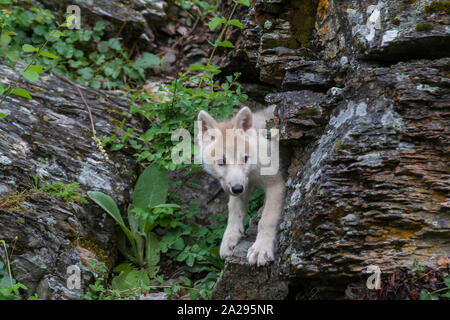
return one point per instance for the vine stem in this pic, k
(91, 118)
(7, 261)
(11, 88)
(219, 38)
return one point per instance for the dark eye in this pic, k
(246, 159)
(223, 162)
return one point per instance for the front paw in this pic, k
(261, 252)
(229, 242)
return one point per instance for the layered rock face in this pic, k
(45, 140)
(365, 108)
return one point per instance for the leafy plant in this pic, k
(11, 50)
(220, 20)
(178, 103)
(179, 112)
(137, 242)
(436, 295)
(83, 55)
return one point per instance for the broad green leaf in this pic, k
(1, 89)
(9, 33)
(30, 75)
(151, 188)
(226, 44)
(4, 40)
(131, 280)
(36, 68)
(178, 244)
(29, 48)
(152, 250)
(2, 115)
(446, 295)
(56, 34)
(236, 23)
(13, 53)
(21, 92)
(48, 55)
(109, 205)
(243, 2)
(215, 22)
(123, 267)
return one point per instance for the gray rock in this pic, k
(368, 182)
(49, 137)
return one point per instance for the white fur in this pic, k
(249, 176)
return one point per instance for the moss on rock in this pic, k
(302, 19)
(424, 26)
(438, 6)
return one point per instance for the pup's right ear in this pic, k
(207, 122)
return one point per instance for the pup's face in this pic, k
(228, 151)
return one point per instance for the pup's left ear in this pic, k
(243, 119)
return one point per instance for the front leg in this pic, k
(262, 251)
(235, 225)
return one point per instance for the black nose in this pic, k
(237, 188)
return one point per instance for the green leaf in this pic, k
(21, 92)
(215, 22)
(152, 250)
(13, 53)
(123, 267)
(109, 205)
(29, 48)
(4, 40)
(446, 295)
(2, 115)
(226, 44)
(447, 281)
(186, 281)
(425, 295)
(9, 33)
(48, 55)
(99, 26)
(1, 89)
(151, 188)
(30, 75)
(178, 244)
(243, 2)
(36, 68)
(86, 73)
(146, 61)
(56, 34)
(130, 280)
(190, 260)
(236, 23)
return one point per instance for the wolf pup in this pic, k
(232, 151)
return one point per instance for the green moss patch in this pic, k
(424, 26)
(438, 6)
(303, 18)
